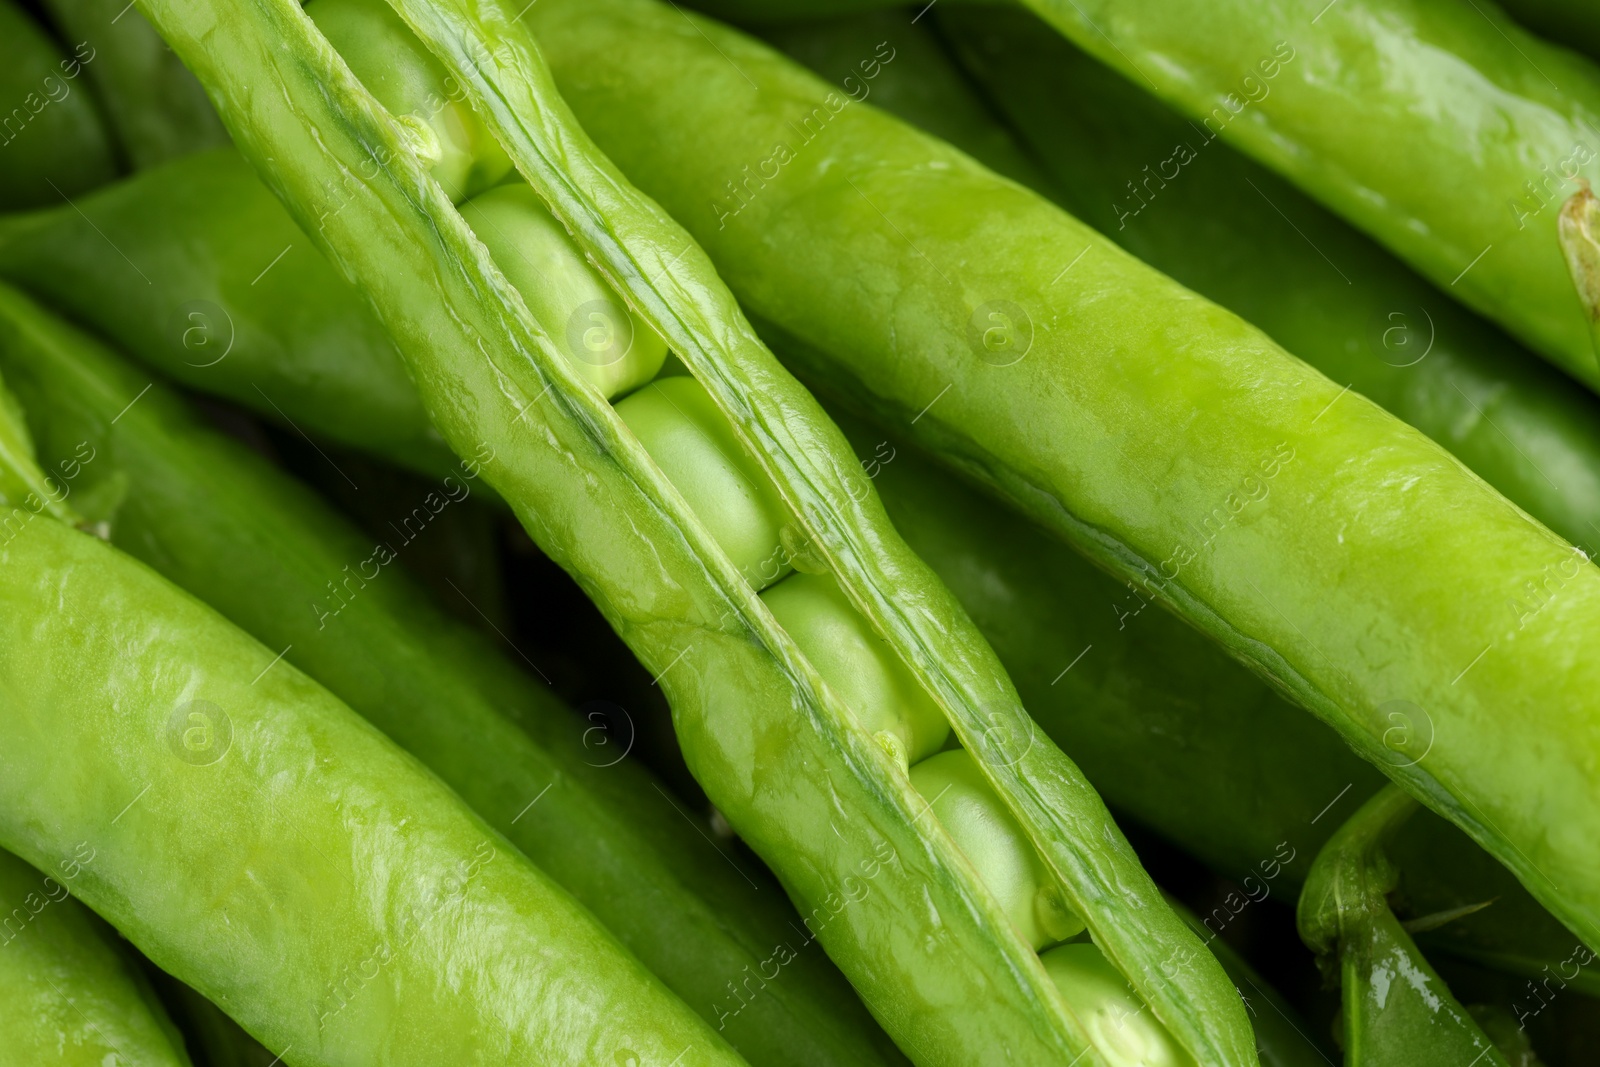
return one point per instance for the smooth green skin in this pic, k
(1123, 1022)
(463, 156)
(155, 109)
(1480, 105)
(371, 919)
(962, 800)
(68, 995)
(612, 348)
(592, 499)
(679, 425)
(1249, 240)
(53, 142)
(203, 296)
(1396, 1008)
(1345, 557)
(884, 697)
(216, 520)
(1565, 22)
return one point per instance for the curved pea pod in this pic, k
(1474, 206)
(68, 994)
(781, 757)
(219, 522)
(259, 841)
(1240, 235)
(1396, 1008)
(155, 109)
(221, 291)
(55, 141)
(1345, 557)
(1572, 23)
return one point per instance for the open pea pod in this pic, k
(1349, 560)
(69, 995)
(217, 521)
(1396, 1008)
(828, 805)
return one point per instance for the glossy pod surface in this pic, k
(68, 995)
(590, 496)
(1240, 235)
(1342, 554)
(227, 527)
(1497, 128)
(222, 790)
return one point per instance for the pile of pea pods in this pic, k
(799, 533)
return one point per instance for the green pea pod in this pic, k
(775, 749)
(253, 284)
(259, 841)
(153, 105)
(1201, 751)
(1396, 1008)
(1398, 596)
(1238, 234)
(68, 994)
(217, 521)
(1565, 22)
(51, 132)
(1475, 207)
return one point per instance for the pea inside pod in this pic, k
(859, 665)
(680, 426)
(613, 349)
(1120, 1024)
(440, 125)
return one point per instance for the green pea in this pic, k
(1122, 1027)
(615, 350)
(440, 125)
(858, 664)
(987, 834)
(679, 425)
